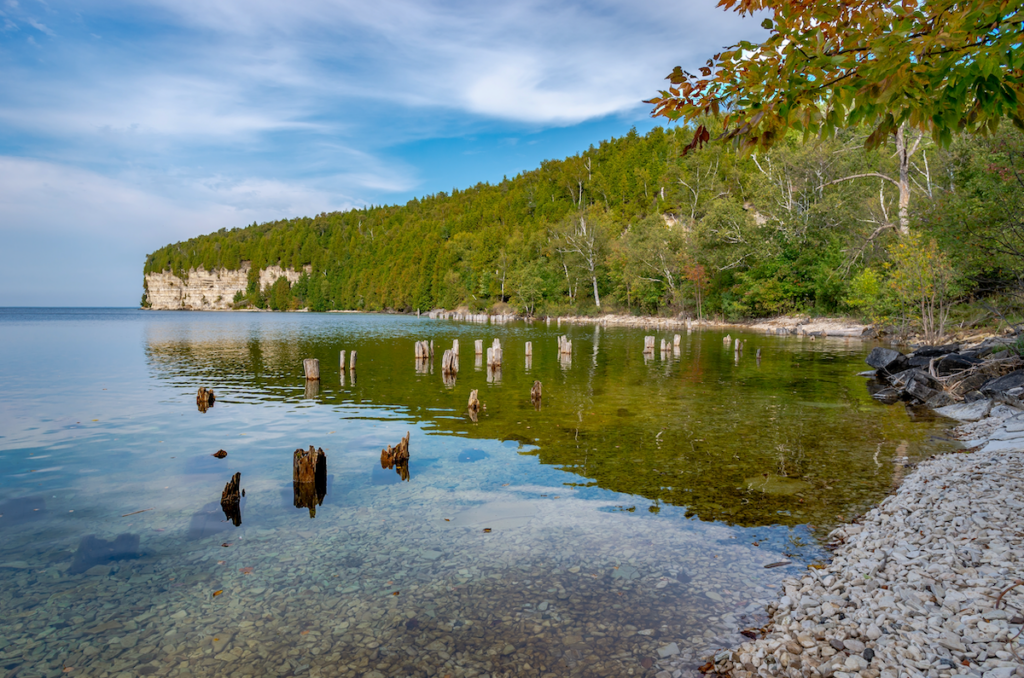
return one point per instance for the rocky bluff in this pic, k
(203, 290)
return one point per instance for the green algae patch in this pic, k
(777, 485)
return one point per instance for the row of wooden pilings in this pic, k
(311, 366)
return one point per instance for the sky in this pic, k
(128, 125)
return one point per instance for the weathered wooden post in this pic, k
(455, 347)
(309, 479)
(727, 340)
(496, 343)
(676, 341)
(230, 500)
(431, 348)
(478, 347)
(396, 456)
(529, 348)
(312, 389)
(311, 366)
(474, 402)
(343, 364)
(205, 398)
(738, 344)
(649, 344)
(352, 361)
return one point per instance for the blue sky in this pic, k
(128, 125)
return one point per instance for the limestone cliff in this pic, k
(207, 290)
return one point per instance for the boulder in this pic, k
(953, 363)
(972, 411)
(1003, 384)
(921, 361)
(919, 386)
(940, 399)
(934, 351)
(887, 360)
(902, 379)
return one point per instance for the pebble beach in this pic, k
(929, 583)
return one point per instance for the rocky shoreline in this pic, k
(930, 582)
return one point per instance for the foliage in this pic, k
(924, 283)
(936, 65)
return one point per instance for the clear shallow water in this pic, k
(636, 508)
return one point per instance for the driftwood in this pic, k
(230, 498)
(205, 399)
(311, 367)
(309, 479)
(397, 457)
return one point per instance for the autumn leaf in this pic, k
(217, 593)
(246, 570)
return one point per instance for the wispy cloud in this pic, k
(132, 123)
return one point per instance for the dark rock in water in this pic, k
(940, 399)
(209, 520)
(882, 392)
(887, 359)
(1004, 383)
(220, 454)
(935, 351)
(93, 551)
(919, 388)
(953, 363)
(21, 510)
(901, 379)
(470, 455)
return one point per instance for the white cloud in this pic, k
(41, 27)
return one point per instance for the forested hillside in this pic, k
(634, 224)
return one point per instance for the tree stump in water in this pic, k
(535, 393)
(397, 457)
(455, 347)
(648, 344)
(352, 361)
(564, 345)
(478, 347)
(311, 367)
(220, 454)
(205, 399)
(230, 498)
(474, 401)
(343, 364)
(449, 363)
(529, 348)
(309, 479)
(727, 339)
(676, 341)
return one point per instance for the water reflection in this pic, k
(98, 553)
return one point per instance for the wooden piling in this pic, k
(649, 344)
(676, 341)
(205, 398)
(455, 347)
(478, 347)
(343, 363)
(529, 348)
(311, 366)
(352, 361)
(474, 402)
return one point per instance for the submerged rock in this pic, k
(970, 411)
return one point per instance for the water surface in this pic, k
(634, 509)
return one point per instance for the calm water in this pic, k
(634, 510)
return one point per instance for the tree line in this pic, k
(637, 224)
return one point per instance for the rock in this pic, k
(972, 411)
(508, 649)
(668, 650)
(918, 388)
(854, 645)
(953, 363)
(887, 360)
(873, 632)
(837, 644)
(940, 399)
(934, 351)
(974, 396)
(1003, 384)
(855, 663)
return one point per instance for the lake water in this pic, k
(630, 516)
